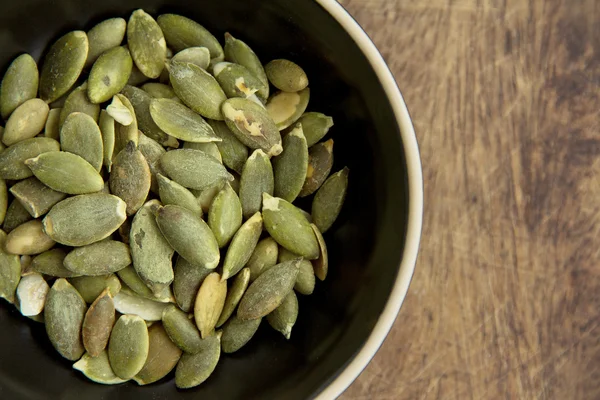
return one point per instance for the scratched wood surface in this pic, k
(505, 99)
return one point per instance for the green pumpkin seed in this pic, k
(242, 246)
(85, 219)
(127, 302)
(329, 200)
(19, 84)
(36, 197)
(225, 215)
(12, 159)
(52, 127)
(236, 80)
(16, 215)
(97, 324)
(133, 281)
(128, 346)
(305, 282)
(264, 257)
(197, 89)
(252, 125)
(289, 168)
(137, 77)
(107, 130)
(101, 258)
(315, 126)
(286, 75)
(239, 52)
(120, 112)
(28, 238)
(51, 263)
(81, 135)
(160, 91)
(209, 303)
(257, 178)
(205, 197)
(97, 369)
(78, 101)
(173, 193)
(289, 227)
(193, 169)
(234, 295)
(163, 356)
(268, 291)
(193, 369)
(152, 151)
(233, 152)
(285, 108)
(31, 294)
(150, 251)
(63, 65)
(209, 148)
(90, 287)
(181, 330)
(26, 121)
(125, 133)
(237, 332)
(105, 36)
(321, 264)
(10, 272)
(179, 121)
(66, 172)
(182, 32)
(195, 55)
(3, 200)
(146, 43)
(186, 284)
(64, 313)
(320, 161)
(283, 318)
(130, 178)
(109, 74)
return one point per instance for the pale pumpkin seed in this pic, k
(172, 192)
(66, 172)
(163, 356)
(146, 43)
(109, 74)
(26, 121)
(126, 133)
(16, 215)
(160, 91)
(31, 293)
(3, 200)
(234, 295)
(107, 129)
(127, 302)
(85, 219)
(12, 159)
(52, 127)
(98, 323)
(10, 272)
(105, 36)
(193, 369)
(152, 151)
(209, 148)
(236, 80)
(90, 287)
(237, 332)
(29, 239)
(283, 318)
(36, 197)
(119, 111)
(286, 75)
(225, 215)
(239, 52)
(97, 369)
(64, 313)
(182, 32)
(51, 263)
(193, 169)
(130, 178)
(179, 121)
(320, 161)
(315, 126)
(188, 278)
(289, 168)
(181, 329)
(264, 257)
(209, 303)
(128, 346)
(321, 264)
(19, 84)
(242, 246)
(78, 101)
(133, 281)
(195, 55)
(81, 135)
(285, 108)
(328, 201)
(233, 152)
(63, 65)
(256, 179)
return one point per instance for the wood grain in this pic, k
(505, 97)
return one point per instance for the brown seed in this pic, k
(98, 322)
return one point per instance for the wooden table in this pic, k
(505, 98)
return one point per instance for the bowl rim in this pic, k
(415, 203)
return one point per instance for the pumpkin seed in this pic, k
(236, 80)
(64, 313)
(66, 172)
(63, 65)
(10, 272)
(179, 121)
(209, 148)
(242, 246)
(152, 151)
(209, 303)
(133, 281)
(197, 89)
(51, 263)
(107, 130)
(128, 346)
(81, 135)
(16, 215)
(26, 261)
(36, 197)
(186, 284)
(252, 125)
(19, 84)
(290, 167)
(90, 287)
(26, 121)
(182, 32)
(264, 257)
(268, 291)
(225, 215)
(193, 369)
(315, 126)
(105, 36)
(146, 43)
(283, 318)
(195, 55)
(205, 197)
(286, 75)
(173, 193)
(127, 302)
(288, 226)
(328, 201)
(3, 200)
(193, 169)
(85, 219)
(77, 101)
(234, 295)
(101, 258)
(130, 178)
(257, 178)
(119, 111)
(233, 152)
(239, 52)
(125, 133)
(137, 77)
(321, 264)
(305, 282)
(237, 332)
(28, 238)
(181, 329)
(160, 91)
(163, 356)
(98, 323)
(97, 369)
(12, 159)
(52, 127)
(31, 292)
(320, 161)
(109, 74)
(285, 108)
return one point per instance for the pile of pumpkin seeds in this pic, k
(151, 223)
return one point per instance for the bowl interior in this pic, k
(365, 244)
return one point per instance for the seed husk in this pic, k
(239, 52)
(128, 346)
(97, 369)
(66, 172)
(193, 169)
(160, 91)
(320, 161)
(109, 74)
(36, 197)
(237, 332)
(78, 101)
(119, 111)
(81, 135)
(234, 295)
(182, 32)
(10, 272)
(193, 369)
(101, 258)
(97, 324)
(28, 238)
(285, 108)
(105, 36)
(26, 121)
(16, 215)
(133, 281)
(283, 318)
(125, 133)
(181, 329)
(85, 219)
(150, 251)
(127, 302)
(233, 152)
(19, 84)
(195, 55)
(315, 126)
(179, 121)
(63, 65)
(130, 178)
(209, 148)
(163, 356)
(286, 75)
(264, 257)
(186, 284)
(152, 151)
(242, 246)
(63, 314)
(321, 264)
(225, 215)
(328, 201)
(90, 287)
(146, 43)
(236, 80)
(107, 130)
(12, 159)
(252, 125)
(290, 167)
(172, 192)
(256, 179)
(31, 293)
(51, 263)
(268, 291)
(209, 303)
(289, 227)
(197, 89)
(52, 127)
